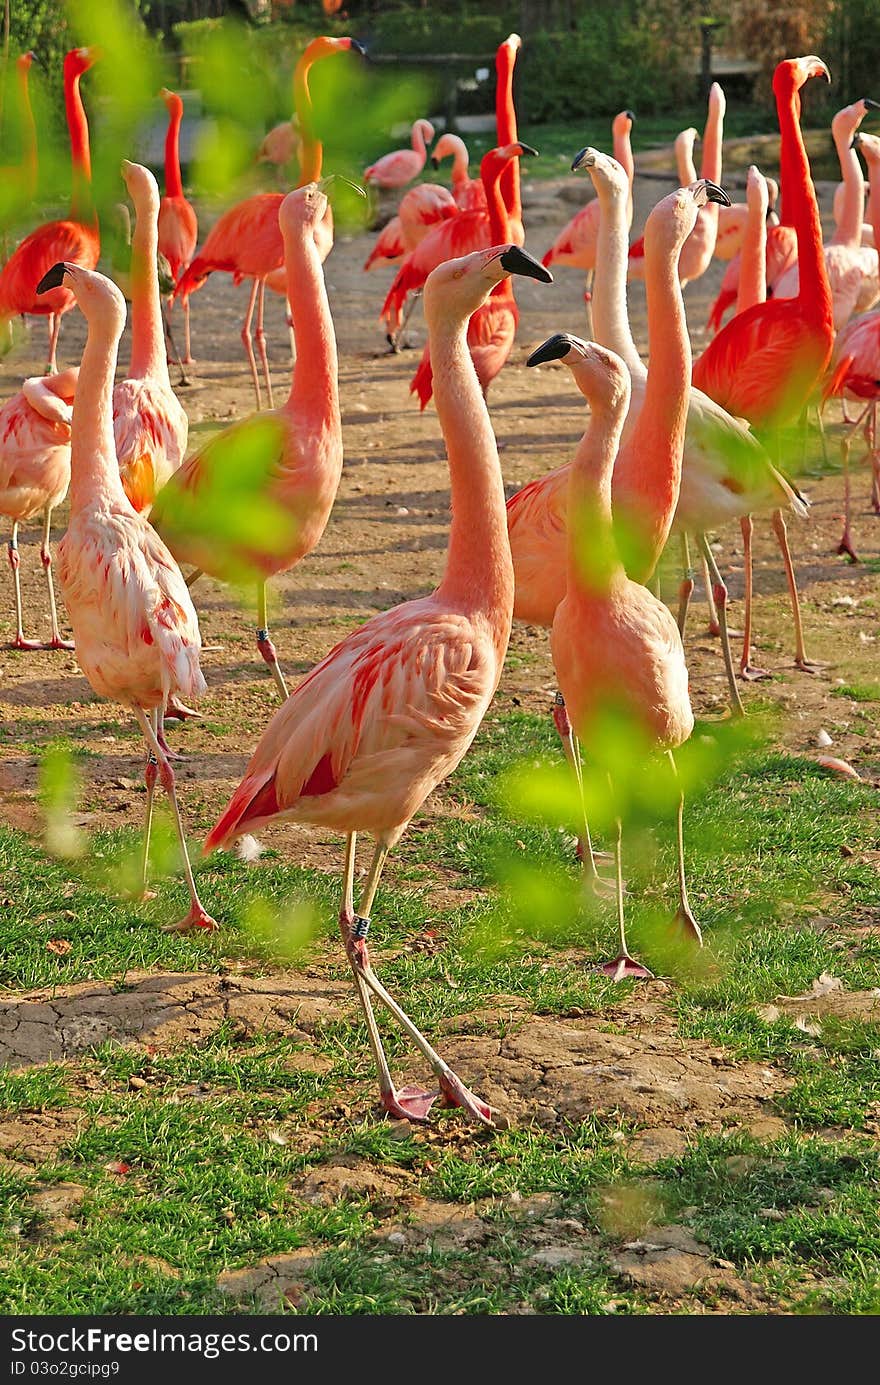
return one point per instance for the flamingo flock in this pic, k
(682, 445)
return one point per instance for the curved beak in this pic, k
(855, 141)
(872, 105)
(584, 158)
(435, 162)
(630, 115)
(53, 278)
(715, 194)
(553, 349)
(358, 47)
(517, 261)
(526, 151)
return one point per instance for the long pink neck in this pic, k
(459, 160)
(314, 389)
(609, 309)
(589, 497)
(94, 470)
(849, 228)
(874, 197)
(801, 211)
(752, 287)
(29, 162)
(499, 225)
(505, 124)
(148, 356)
(418, 140)
(81, 201)
(624, 155)
(479, 569)
(173, 180)
(712, 138)
(312, 148)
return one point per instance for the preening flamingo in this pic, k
(246, 240)
(422, 208)
(397, 169)
(294, 453)
(392, 710)
(178, 223)
(469, 193)
(75, 240)
(614, 644)
(136, 632)
(35, 475)
(852, 268)
(576, 242)
(18, 182)
(149, 422)
(506, 131)
(492, 327)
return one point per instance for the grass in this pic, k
(194, 1162)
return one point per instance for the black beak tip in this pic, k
(872, 105)
(526, 151)
(517, 261)
(435, 162)
(53, 278)
(630, 115)
(358, 47)
(553, 349)
(576, 161)
(716, 194)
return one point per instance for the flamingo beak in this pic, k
(872, 105)
(517, 261)
(555, 348)
(435, 162)
(715, 194)
(357, 47)
(527, 152)
(584, 158)
(630, 115)
(53, 278)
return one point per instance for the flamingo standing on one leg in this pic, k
(136, 631)
(299, 446)
(35, 475)
(246, 240)
(613, 643)
(400, 167)
(178, 223)
(577, 241)
(392, 710)
(75, 240)
(149, 422)
(469, 193)
(492, 328)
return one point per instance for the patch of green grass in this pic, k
(34, 1089)
(858, 692)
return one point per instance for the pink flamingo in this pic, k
(492, 329)
(75, 240)
(733, 220)
(613, 643)
(852, 268)
(246, 240)
(780, 253)
(178, 223)
(298, 447)
(469, 193)
(149, 422)
(422, 208)
(506, 131)
(576, 242)
(35, 475)
(281, 145)
(136, 631)
(397, 169)
(392, 710)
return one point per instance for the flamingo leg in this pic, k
(264, 643)
(720, 594)
(684, 918)
(261, 342)
(686, 590)
(15, 562)
(187, 349)
(395, 339)
(875, 459)
(171, 348)
(198, 917)
(565, 730)
(150, 775)
(410, 1104)
(845, 547)
(54, 330)
(623, 967)
(746, 668)
(248, 341)
(714, 625)
(800, 653)
(288, 318)
(46, 558)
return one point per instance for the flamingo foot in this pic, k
(713, 631)
(751, 674)
(625, 968)
(61, 644)
(196, 918)
(845, 549)
(809, 665)
(455, 1093)
(409, 1103)
(178, 711)
(21, 643)
(685, 924)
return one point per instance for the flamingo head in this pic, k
(675, 216)
(772, 192)
(792, 73)
(142, 188)
(172, 101)
(99, 299)
(23, 63)
(868, 146)
(306, 212)
(622, 123)
(493, 163)
(848, 120)
(426, 128)
(324, 47)
(717, 99)
(607, 174)
(757, 193)
(79, 60)
(456, 288)
(600, 375)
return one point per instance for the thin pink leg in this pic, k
(54, 330)
(248, 341)
(261, 342)
(800, 653)
(265, 644)
(15, 563)
(46, 559)
(686, 590)
(187, 348)
(746, 668)
(719, 591)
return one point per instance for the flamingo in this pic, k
(389, 248)
(837, 212)
(492, 328)
(733, 220)
(178, 223)
(697, 254)
(400, 167)
(136, 631)
(766, 363)
(576, 242)
(422, 208)
(149, 422)
(281, 145)
(35, 475)
(613, 642)
(298, 447)
(780, 253)
(75, 240)
(506, 131)
(852, 268)
(19, 182)
(392, 710)
(469, 193)
(246, 240)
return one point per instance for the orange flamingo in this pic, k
(398, 168)
(392, 710)
(469, 193)
(35, 475)
(75, 241)
(767, 362)
(422, 208)
(299, 446)
(136, 631)
(149, 422)
(506, 131)
(576, 243)
(246, 240)
(613, 643)
(178, 223)
(492, 328)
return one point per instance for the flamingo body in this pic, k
(398, 168)
(577, 241)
